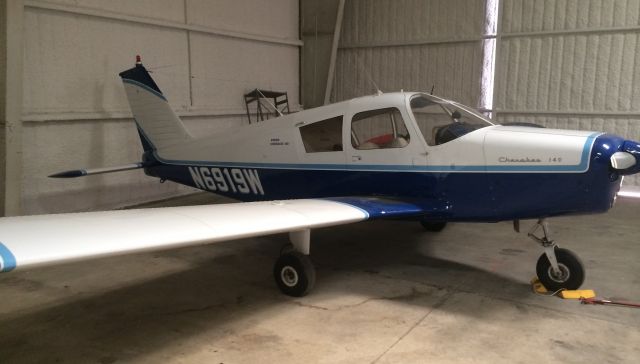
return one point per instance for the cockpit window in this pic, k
(379, 129)
(442, 121)
(323, 136)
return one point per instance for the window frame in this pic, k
(392, 110)
(316, 123)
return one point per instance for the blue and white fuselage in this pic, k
(488, 173)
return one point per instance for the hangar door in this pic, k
(570, 64)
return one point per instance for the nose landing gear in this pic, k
(557, 268)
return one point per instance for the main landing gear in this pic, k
(557, 268)
(294, 272)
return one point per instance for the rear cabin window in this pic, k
(379, 129)
(322, 136)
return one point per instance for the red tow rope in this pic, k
(600, 301)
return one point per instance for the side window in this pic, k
(379, 129)
(322, 136)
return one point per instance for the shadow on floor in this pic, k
(222, 290)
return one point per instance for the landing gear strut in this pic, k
(294, 272)
(557, 268)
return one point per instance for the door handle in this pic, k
(356, 158)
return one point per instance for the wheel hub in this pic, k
(289, 276)
(562, 276)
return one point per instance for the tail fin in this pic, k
(158, 124)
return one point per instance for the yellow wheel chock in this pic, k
(539, 288)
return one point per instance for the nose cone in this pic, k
(627, 160)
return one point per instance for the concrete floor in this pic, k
(387, 292)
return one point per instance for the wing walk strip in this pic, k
(30, 241)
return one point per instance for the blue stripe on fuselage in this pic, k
(8, 259)
(580, 167)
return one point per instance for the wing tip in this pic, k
(7, 259)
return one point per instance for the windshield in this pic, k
(442, 121)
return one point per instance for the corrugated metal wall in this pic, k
(560, 63)
(204, 56)
(411, 45)
(570, 64)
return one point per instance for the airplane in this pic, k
(400, 155)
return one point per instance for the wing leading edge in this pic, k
(30, 241)
(47, 239)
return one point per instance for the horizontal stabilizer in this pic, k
(87, 172)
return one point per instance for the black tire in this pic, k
(433, 226)
(294, 274)
(571, 267)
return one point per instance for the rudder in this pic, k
(158, 125)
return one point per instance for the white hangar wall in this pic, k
(412, 45)
(204, 56)
(570, 64)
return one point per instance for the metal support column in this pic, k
(334, 52)
(11, 49)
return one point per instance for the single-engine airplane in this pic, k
(402, 155)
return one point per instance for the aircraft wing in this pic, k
(29, 241)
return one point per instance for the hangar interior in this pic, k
(565, 64)
(561, 64)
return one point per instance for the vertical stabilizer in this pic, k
(158, 124)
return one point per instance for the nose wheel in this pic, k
(557, 268)
(570, 273)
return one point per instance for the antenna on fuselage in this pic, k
(432, 87)
(378, 91)
(368, 74)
